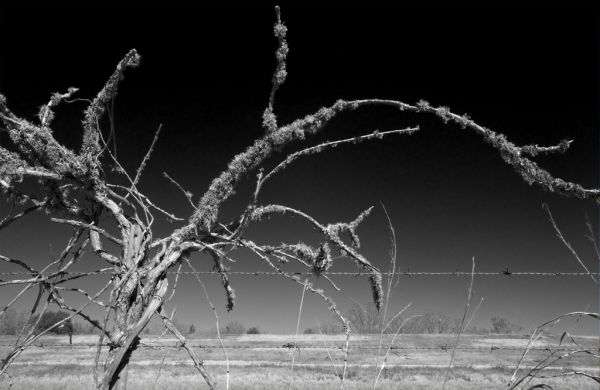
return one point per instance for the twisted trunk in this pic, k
(119, 355)
(136, 302)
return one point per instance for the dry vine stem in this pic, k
(77, 189)
(554, 355)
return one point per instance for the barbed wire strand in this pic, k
(355, 274)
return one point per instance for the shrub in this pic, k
(330, 327)
(235, 327)
(364, 320)
(11, 321)
(253, 330)
(502, 325)
(50, 318)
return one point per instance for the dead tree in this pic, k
(76, 188)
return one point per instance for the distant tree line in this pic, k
(12, 322)
(364, 320)
(234, 327)
(367, 320)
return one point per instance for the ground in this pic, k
(262, 362)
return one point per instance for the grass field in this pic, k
(260, 362)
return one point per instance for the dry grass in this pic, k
(250, 378)
(258, 367)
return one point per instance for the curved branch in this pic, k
(12, 218)
(330, 144)
(222, 187)
(19, 263)
(90, 226)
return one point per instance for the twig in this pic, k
(296, 335)
(473, 314)
(327, 145)
(460, 329)
(214, 310)
(197, 363)
(390, 280)
(564, 241)
(188, 195)
(162, 362)
(12, 218)
(387, 353)
(592, 238)
(30, 339)
(536, 334)
(88, 226)
(327, 349)
(140, 169)
(346, 351)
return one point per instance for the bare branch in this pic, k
(214, 310)
(296, 334)
(12, 218)
(30, 339)
(197, 363)
(98, 249)
(146, 157)
(331, 144)
(564, 241)
(390, 280)
(188, 195)
(74, 187)
(90, 226)
(390, 346)
(222, 187)
(46, 115)
(461, 326)
(280, 73)
(91, 146)
(535, 335)
(20, 263)
(534, 150)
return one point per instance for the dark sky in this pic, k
(529, 71)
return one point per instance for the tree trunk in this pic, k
(118, 381)
(115, 374)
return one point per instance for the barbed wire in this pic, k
(506, 272)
